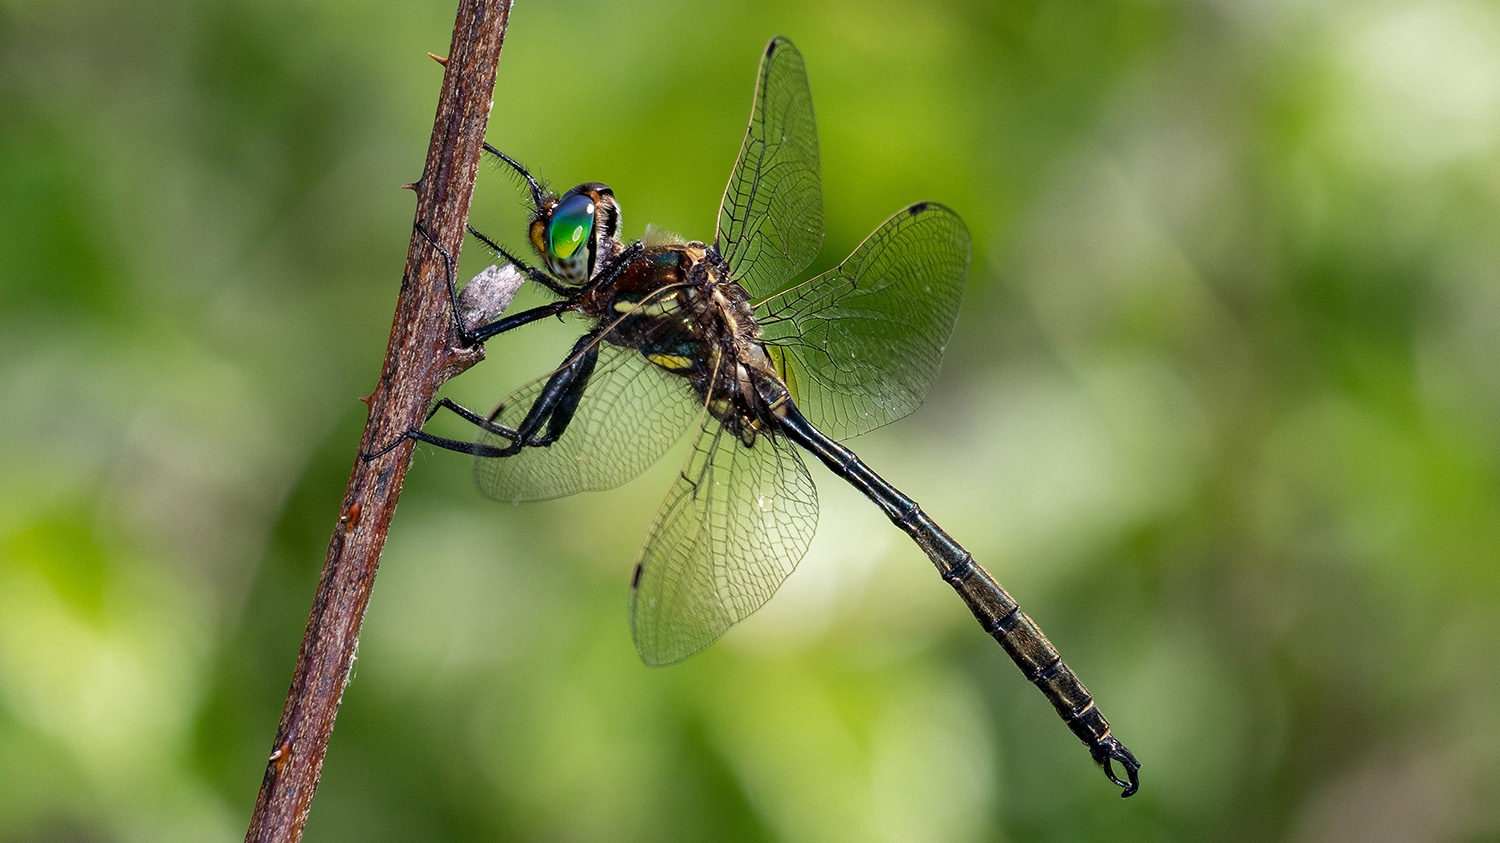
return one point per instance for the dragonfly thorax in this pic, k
(677, 305)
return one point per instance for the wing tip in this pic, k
(649, 660)
(658, 645)
(653, 655)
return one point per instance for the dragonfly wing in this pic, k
(771, 217)
(630, 413)
(860, 345)
(735, 524)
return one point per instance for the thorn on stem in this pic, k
(439, 59)
(412, 186)
(350, 518)
(281, 756)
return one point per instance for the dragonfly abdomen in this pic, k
(997, 612)
(1002, 618)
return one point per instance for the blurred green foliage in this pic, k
(1221, 411)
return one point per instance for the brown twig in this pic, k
(423, 353)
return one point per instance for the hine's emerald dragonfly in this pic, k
(718, 338)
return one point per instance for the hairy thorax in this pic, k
(677, 306)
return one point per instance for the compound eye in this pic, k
(571, 222)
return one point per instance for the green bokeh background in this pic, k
(1222, 410)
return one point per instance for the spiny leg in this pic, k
(458, 315)
(554, 407)
(538, 193)
(499, 326)
(473, 448)
(528, 270)
(606, 274)
(559, 399)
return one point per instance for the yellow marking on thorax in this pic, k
(671, 362)
(655, 305)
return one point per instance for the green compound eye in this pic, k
(570, 225)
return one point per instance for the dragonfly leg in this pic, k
(516, 320)
(605, 275)
(537, 193)
(478, 449)
(557, 308)
(559, 399)
(484, 332)
(470, 416)
(613, 266)
(531, 272)
(458, 318)
(553, 410)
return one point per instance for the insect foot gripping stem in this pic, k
(1110, 750)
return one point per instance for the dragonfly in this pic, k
(720, 339)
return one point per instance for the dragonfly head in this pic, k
(573, 231)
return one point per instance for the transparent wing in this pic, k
(733, 527)
(631, 412)
(771, 217)
(860, 345)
